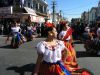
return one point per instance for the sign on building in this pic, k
(6, 10)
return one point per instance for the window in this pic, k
(29, 4)
(41, 8)
(24, 3)
(36, 6)
(45, 9)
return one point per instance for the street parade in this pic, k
(39, 38)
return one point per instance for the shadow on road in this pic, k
(6, 47)
(23, 69)
(80, 54)
(78, 42)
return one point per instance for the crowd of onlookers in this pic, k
(39, 28)
(83, 32)
(89, 35)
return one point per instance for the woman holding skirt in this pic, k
(69, 59)
(16, 35)
(49, 55)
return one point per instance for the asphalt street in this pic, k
(21, 61)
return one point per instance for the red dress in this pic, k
(71, 64)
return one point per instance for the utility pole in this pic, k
(54, 10)
(88, 17)
(60, 14)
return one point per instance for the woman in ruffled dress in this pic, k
(70, 58)
(49, 55)
(66, 32)
(15, 34)
(29, 32)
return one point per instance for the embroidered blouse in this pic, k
(51, 53)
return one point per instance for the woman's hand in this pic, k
(64, 54)
(35, 74)
(74, 65)
(39, 60)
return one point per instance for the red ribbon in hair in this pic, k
(48, 24)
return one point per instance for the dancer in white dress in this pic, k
(16, 35)
(49, 56)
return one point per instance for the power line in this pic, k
(73, 14)
(74, 10)
(69, 13)
(79, 7)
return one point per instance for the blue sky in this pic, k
(73, 8)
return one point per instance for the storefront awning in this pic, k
(30, 11)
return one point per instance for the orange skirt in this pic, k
(82, 72)
(70, 62)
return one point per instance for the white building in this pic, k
(85, 17)
(22, 9)
(99, 8)
(93, 14)
(57, 17)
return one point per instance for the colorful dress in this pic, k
(29, 33)
(66, 35)
(29, 30)
(70, 58)
(52, 64)
(16, 37)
